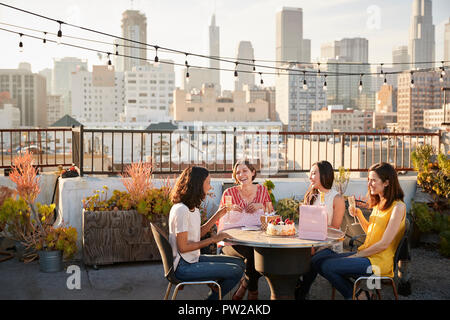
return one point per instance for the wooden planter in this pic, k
(118, 236)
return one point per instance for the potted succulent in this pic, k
(30, 224)
(116, 227)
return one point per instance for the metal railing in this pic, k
(109, 151)
(51, 147)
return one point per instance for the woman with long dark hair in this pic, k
(384, 231)
(185, 232)
(321, 179)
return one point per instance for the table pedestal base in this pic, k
(282, 267)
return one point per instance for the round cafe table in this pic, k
(281, 259)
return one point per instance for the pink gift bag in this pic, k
(234, 219)
(312, 222)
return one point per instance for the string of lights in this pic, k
(186, 64)
(305, 86)
(222, 59)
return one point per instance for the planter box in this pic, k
(118, 236)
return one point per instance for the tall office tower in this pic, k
(134, 27)
(412, 102)
(344, 89)
(355, 49)
(294, 103)
(329, 50)
(245, 55)
(447, 41)
(290, 45)
(421, 34)
(28, 93)
(62, 79)
(214, 51)
(400, 55)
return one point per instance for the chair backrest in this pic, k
(403, 242)
(165, 250)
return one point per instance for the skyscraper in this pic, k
(214, 51)
(290, 45)
(134, 27)
(421, 34)
(245, 55)
(447, 41)
(400, 55)
(62, 79)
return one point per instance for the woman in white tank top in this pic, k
(321, 177)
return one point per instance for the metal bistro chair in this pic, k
(165, 249)
(403, 242)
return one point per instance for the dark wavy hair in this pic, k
(392, 192)
(248, 165)
(189, 187)
(326, 180)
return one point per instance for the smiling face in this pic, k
(375, 184)
(244, 175)
(314, 177)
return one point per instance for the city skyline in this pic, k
(253, 21)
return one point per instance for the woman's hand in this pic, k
(235, 207)
(221, 236)
(252, 207)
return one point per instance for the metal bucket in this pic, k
(50, 261)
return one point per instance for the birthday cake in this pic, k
(279, 227)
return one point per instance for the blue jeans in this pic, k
(227, 271)
(337, 269)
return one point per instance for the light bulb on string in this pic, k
(117, 49)
(385, 80)
(360, 88)
(305, 85)
(59, 34)
(254, 68)
(441, 78)
(186, 62)
(110, 66)
(381, 72)
(325, 83)
(156, 57)
(412, 85)
(443, 69)
(187, 74)
(235, 70)
(20, 43)
(318, 70)
(262, 82)
(44, 41)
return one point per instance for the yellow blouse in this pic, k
(382, 262)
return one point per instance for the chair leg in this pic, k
(394, 289)
(378, 291)
(355, 287)
(174, 296)
(168, 291)
(333, 293)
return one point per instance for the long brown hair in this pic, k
(189, 187)
(392, 192)
(326, 173)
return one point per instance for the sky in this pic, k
(183, 25)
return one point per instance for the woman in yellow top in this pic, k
(384, 231)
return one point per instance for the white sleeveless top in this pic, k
(329, 199)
